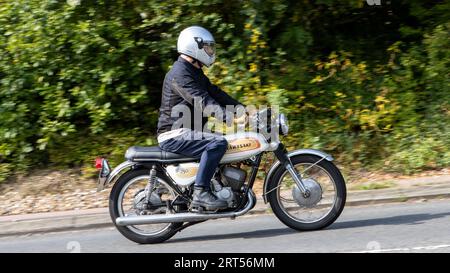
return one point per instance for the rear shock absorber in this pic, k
(151, 184)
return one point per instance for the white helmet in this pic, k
(198, 43)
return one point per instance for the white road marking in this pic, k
(405, 249)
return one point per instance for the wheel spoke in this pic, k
(128, 197)
(312, 212)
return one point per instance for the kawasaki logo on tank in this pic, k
(242, 145)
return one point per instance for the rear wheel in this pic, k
(126, 199)
(321, 208)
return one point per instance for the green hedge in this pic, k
(370, 84)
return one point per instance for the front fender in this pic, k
(291, 154)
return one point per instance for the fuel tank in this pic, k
(241, 146)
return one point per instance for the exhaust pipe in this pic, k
(184, 217)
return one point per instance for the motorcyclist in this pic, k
(185, 85)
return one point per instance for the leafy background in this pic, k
(368, 84)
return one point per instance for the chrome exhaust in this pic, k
(184, 217)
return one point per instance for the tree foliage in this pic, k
(369, 84)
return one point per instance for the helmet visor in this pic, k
(210, 48)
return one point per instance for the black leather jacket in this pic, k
(182, 83)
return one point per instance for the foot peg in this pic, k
(200, 209)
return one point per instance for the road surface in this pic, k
(400, 227)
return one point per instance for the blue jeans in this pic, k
(207, 147)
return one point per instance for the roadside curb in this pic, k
(75, 222)
(398, 199)
(56, 229)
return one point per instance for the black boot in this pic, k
(204, 198)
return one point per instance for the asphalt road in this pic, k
(401, 227)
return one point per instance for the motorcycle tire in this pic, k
(334, 212)
(126, 230)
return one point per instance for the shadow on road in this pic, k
(409, 219)
(244, 235)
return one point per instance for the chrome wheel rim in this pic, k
(287, 190)
(128, 208)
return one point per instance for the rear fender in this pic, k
(128, 165)
(107, 178)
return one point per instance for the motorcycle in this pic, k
(150, 200)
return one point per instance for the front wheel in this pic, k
(327, 194)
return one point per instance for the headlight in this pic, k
(283, 124)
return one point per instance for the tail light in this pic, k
(98, 163)
(102, 165)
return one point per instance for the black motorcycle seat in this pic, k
(154, 153)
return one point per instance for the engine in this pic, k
(230, 186)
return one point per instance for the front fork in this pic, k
(282, 156)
